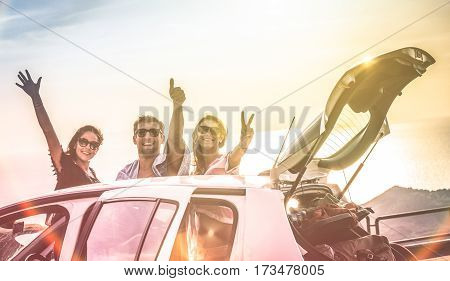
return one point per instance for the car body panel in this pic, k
(267, 234)
(77, 212)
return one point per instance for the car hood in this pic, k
(355, 113)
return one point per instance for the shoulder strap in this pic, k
(93, 173)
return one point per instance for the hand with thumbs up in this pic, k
(176, 94)
(246, 131)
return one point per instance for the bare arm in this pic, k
(32, 89)
(246, 137)
(175, 140)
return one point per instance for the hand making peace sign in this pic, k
(246, 131)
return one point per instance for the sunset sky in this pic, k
(102, 61)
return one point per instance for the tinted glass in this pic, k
(118, 230)
(157, 231)
(206, 233)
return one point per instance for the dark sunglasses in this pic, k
(205, 129)
(92, 144)
(143, 132)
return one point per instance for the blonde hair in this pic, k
(199, 169)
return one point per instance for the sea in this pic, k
(415, 155)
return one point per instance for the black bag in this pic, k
(368, 248)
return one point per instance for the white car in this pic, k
(173, 218)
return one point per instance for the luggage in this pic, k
(327, 225)
(367, 248)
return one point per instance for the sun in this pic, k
(367, 59)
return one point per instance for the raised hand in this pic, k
(29, 87)
(246, 131)
(176, 94)
(175, 142)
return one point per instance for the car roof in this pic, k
(202, 181)
(95, 190)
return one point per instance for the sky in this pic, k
(104, 62)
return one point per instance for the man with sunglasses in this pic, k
(148, 137)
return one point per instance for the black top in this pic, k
(71, 174)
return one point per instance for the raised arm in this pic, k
(246, 137)
(175, 142)
(32, 89)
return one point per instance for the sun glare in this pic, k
(367, 59)
(292, 203)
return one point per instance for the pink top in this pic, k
(220, 167)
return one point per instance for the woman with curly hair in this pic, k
(72, 166)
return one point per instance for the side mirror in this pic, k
(18, 228)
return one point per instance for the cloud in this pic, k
(52, 14)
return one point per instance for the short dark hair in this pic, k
(145, 119)
(88, 128)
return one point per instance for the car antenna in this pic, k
(284, 141)
(361, 165)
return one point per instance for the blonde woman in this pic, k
(208, 137)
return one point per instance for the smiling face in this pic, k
(147, 143)
(209, 136)
(86, 152)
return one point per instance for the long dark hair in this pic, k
(88, 128)
(198, 155)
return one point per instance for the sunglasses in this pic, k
(92, 144)
(143, 132)
(205, 129)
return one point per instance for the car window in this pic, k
(157, 231)
(117, 230)
(206, 232)
(17, 231)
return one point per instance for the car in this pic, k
(225, 217)
(172, 218)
